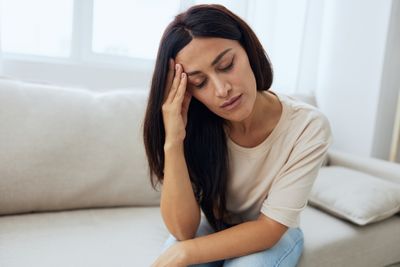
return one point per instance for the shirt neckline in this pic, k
(270, 137)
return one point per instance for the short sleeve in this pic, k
(290, 190)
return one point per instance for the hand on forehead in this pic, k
(203, 53)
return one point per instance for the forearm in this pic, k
(240, 240)
(179, 207)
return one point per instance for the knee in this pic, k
(254, 260)
(286, 252)
(204, 228)
(171, 240)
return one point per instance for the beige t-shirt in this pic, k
(276, 176)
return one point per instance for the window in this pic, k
(40, 27)
(130, 28)
(122, 27)
(40, 39)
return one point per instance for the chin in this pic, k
(239, 117)
(236, 116)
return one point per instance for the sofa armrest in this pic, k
(384, 169)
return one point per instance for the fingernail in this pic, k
(183, 75)
(177, 66)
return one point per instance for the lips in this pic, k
(230, 101)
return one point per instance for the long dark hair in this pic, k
(205, 146)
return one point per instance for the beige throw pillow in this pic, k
(354, 196)
(64, 148)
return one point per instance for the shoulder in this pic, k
(307, 120)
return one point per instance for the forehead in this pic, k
(200, 52)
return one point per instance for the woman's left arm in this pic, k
(239, 240)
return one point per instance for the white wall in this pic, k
(355, 77)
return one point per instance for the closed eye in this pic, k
(228, 68)
(200, 85)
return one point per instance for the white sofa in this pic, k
(74, 188)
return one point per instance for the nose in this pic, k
(222, 88)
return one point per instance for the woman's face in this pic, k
(218, 73)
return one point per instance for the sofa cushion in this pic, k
(358, 197)
(92, 237)
(329, 241)
(134, 237)
(65, 148)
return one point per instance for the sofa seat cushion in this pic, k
(134, 237)
(330, 241)
(87, 237)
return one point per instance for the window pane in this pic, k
(40, 27)
(239, 7)
(131, 28)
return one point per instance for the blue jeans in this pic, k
(285, 253)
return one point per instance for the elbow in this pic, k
(182, 227)
(185, 234)
(183, 237)
(273, 229)
(182, 231)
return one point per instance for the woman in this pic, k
(220, 141)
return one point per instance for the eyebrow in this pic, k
(215, 61)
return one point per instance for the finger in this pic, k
(170, 77)
(186, 102)
(180, 93)
(175, 83)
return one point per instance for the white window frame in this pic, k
(95, 70)
(83, 68)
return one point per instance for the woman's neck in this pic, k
(261, 122)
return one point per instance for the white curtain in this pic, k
(290, 33)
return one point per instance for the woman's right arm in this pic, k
(179, 208)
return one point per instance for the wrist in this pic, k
(173, 144)
(189, 252)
